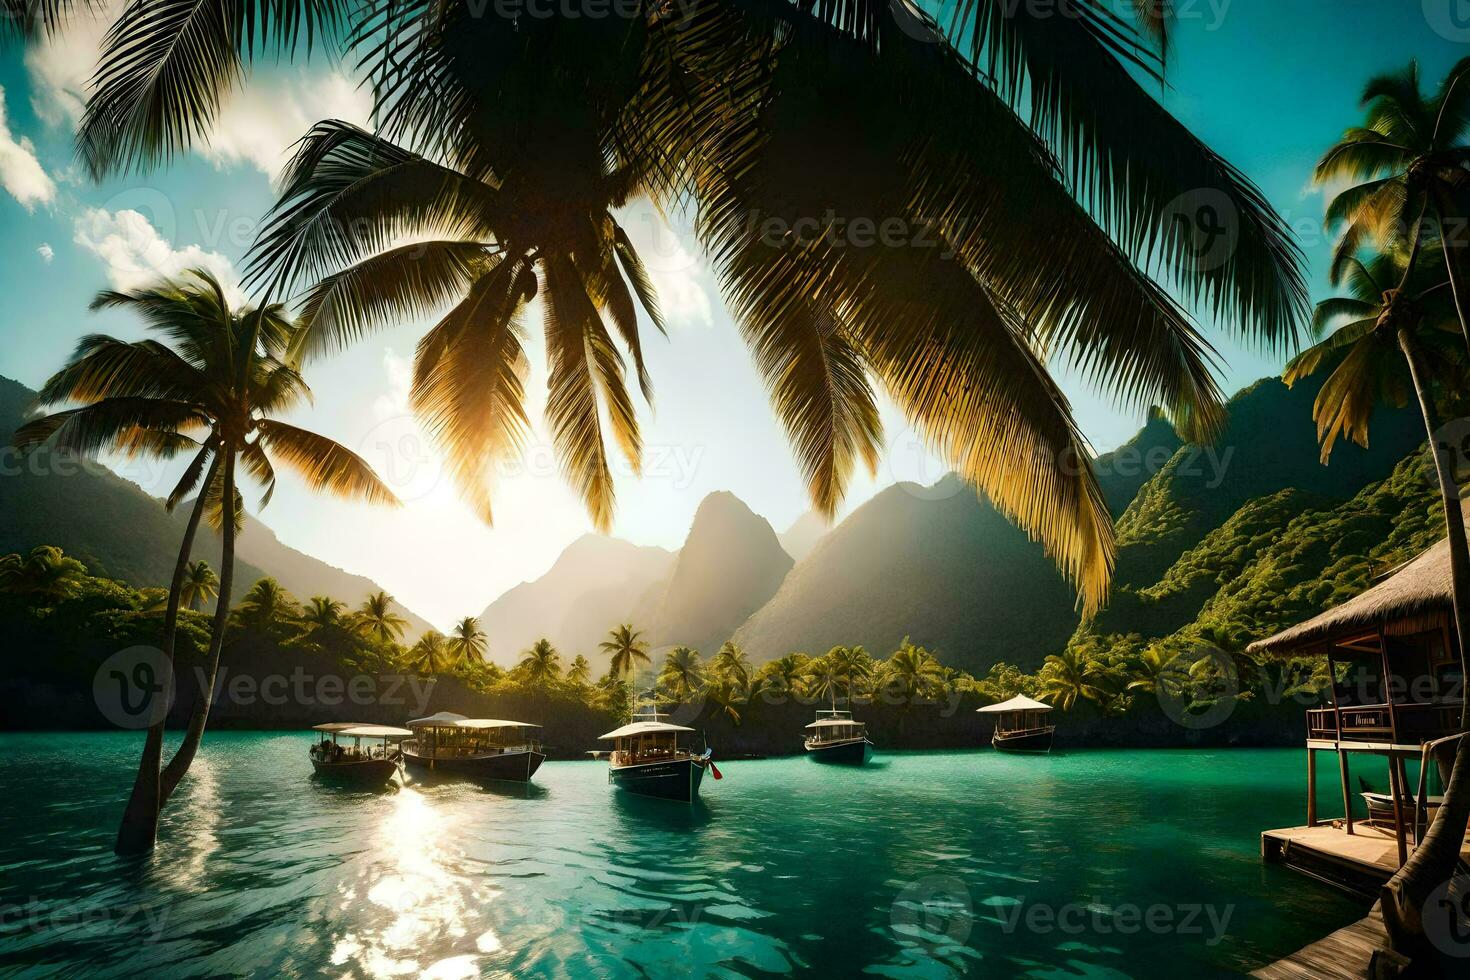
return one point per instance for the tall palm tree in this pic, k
(627, 649)
(1407, 160)
(431, 653)
(1400, 336)
(376, 618)
(201, 585)
(541, 664)
(323, 613)
(580, 672)
(265, 606)
(467, 642)
(682, 674)
(851, 664)
(913, 674)
(1069, 675)
(1024, 144)
(730, 664)
(44, 576)
(214, 395)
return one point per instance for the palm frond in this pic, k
(109, 423)
(323, 463)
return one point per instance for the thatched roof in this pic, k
(1415, 597)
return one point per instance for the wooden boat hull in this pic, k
(362, 772)
(675, 779)
(1036, 740)
(852, 752)
(516, 767)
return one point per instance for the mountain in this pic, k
(595, 584)
(942, 566)
(801, 537)
(937, 564)
(730, 565)
(122, 532)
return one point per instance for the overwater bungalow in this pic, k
(481, 748)
(1397, 691)
(1021, 725)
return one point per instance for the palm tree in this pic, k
(580, 672)
(913, 674)
(45, 576)
(852, 664)
(541, 664)
(1157, 672)
(1069, 675)
(213, 395)
(786, 675)
(627, 650)
(201, 585)
(430, 654)
(730, 664)
(467, 641)
(376, 618)
(323, 613)
(265, 605)
(1026, 145)
(682, 674)
(1409, 160)
(1394, 342)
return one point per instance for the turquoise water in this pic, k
(1100, 863)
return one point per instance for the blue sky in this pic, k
(1268, 83)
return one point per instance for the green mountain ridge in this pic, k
(121, 531)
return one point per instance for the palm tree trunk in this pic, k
(139, 828)
(1458, 286)
(178, 766)
(1433, 861)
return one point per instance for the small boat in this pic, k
(1020, 725)
(648, 760)
(367, 765)
(835, 737)
(480, 748)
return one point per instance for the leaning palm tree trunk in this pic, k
(1434, 860)
(139, 828)
(178, 766)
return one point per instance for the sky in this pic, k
(1267, 83)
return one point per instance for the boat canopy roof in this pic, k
(834, 722)
(1018, 703)
(644, 728)
(448, 719)
(376, 731)
(337, 726)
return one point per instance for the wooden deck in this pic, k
(1340, 956)
(1359, 863)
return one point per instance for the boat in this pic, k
(1020, 725)
(367, 765)
(478, 748)
(648, 760)
(835, 737)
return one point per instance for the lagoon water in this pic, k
(1087, 863)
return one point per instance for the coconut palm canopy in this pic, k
(1038, 198)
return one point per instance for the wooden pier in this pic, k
(1344, 955)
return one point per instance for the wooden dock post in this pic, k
(1311, 787)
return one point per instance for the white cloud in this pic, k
(394, 402)
(20, 172)
(678, 277)
(46, 252)
(257, 124)
(137, 255)
(260, 124)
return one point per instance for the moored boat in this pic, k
(835, 737)
(648, 759)
(477, 748)
(1020, 725)
(368, 765)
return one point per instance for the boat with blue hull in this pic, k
(648, 759)
(835, 738)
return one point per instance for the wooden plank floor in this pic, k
(1340, 956)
